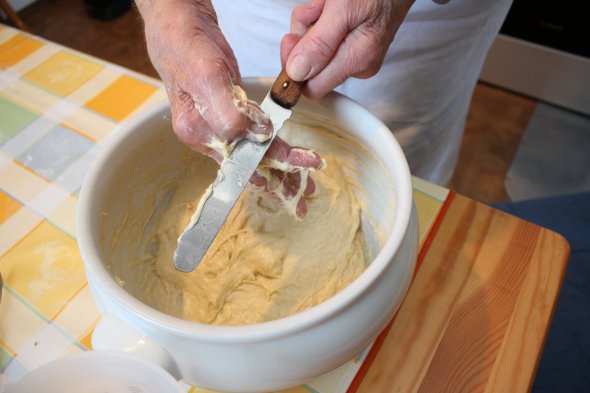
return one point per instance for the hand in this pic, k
(283, 175)
(332, 40)
(200, 73)
(210, 112)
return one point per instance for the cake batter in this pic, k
(264, 264)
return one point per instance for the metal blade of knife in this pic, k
(233, 176)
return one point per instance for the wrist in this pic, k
(178, 9)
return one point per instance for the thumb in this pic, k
(287, 44)
(317, 47)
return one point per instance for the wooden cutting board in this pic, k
(477, 314)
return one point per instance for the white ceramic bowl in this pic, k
(97, 372)
(280, 353)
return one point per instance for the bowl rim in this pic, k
(96, 270)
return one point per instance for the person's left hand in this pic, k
(332, 40)
(284, 176)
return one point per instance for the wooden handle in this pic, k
(285, 91)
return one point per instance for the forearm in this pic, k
(145, 7)
(189, 16)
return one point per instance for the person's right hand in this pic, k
(333, 40)
(209, 109)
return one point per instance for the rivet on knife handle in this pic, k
(285, 91)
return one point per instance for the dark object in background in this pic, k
(12, 16)
(558, 24)
(106, 9)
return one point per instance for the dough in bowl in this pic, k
(264, 264)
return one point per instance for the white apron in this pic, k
(424, 88)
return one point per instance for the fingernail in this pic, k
(298, 68)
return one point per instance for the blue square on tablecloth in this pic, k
(55, 152)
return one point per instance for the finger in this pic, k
(304, 15)
(305, 158)
(268, 187)
(287, 44)
(362, 52)
(310, 188)
(215, 100)
(301, 209)
(317, 47)
(192, 130)
(360, 56)
(225, 107)
(211, 87)
(291, 184)
(260, 128)
(295, 180)
(287, 185)
(258, 180)
(295, 158)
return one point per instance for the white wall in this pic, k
(547, 74)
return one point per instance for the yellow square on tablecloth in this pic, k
(298, 389)
(427, 212)
(64, 216)
(63, 73)
(45, 268)
(18, 322)
(20, 182)
(121, 98)
(16, 49)
(94, 126)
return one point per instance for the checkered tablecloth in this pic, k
(56, 108)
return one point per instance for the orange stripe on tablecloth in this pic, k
(7, 348)
(77, 132)
(358, 378)
(26, 235)
(31, 171)
(86, 338)
(56, 314)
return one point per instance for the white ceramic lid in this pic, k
(97, 372)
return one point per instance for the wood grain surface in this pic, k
(477, 314)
